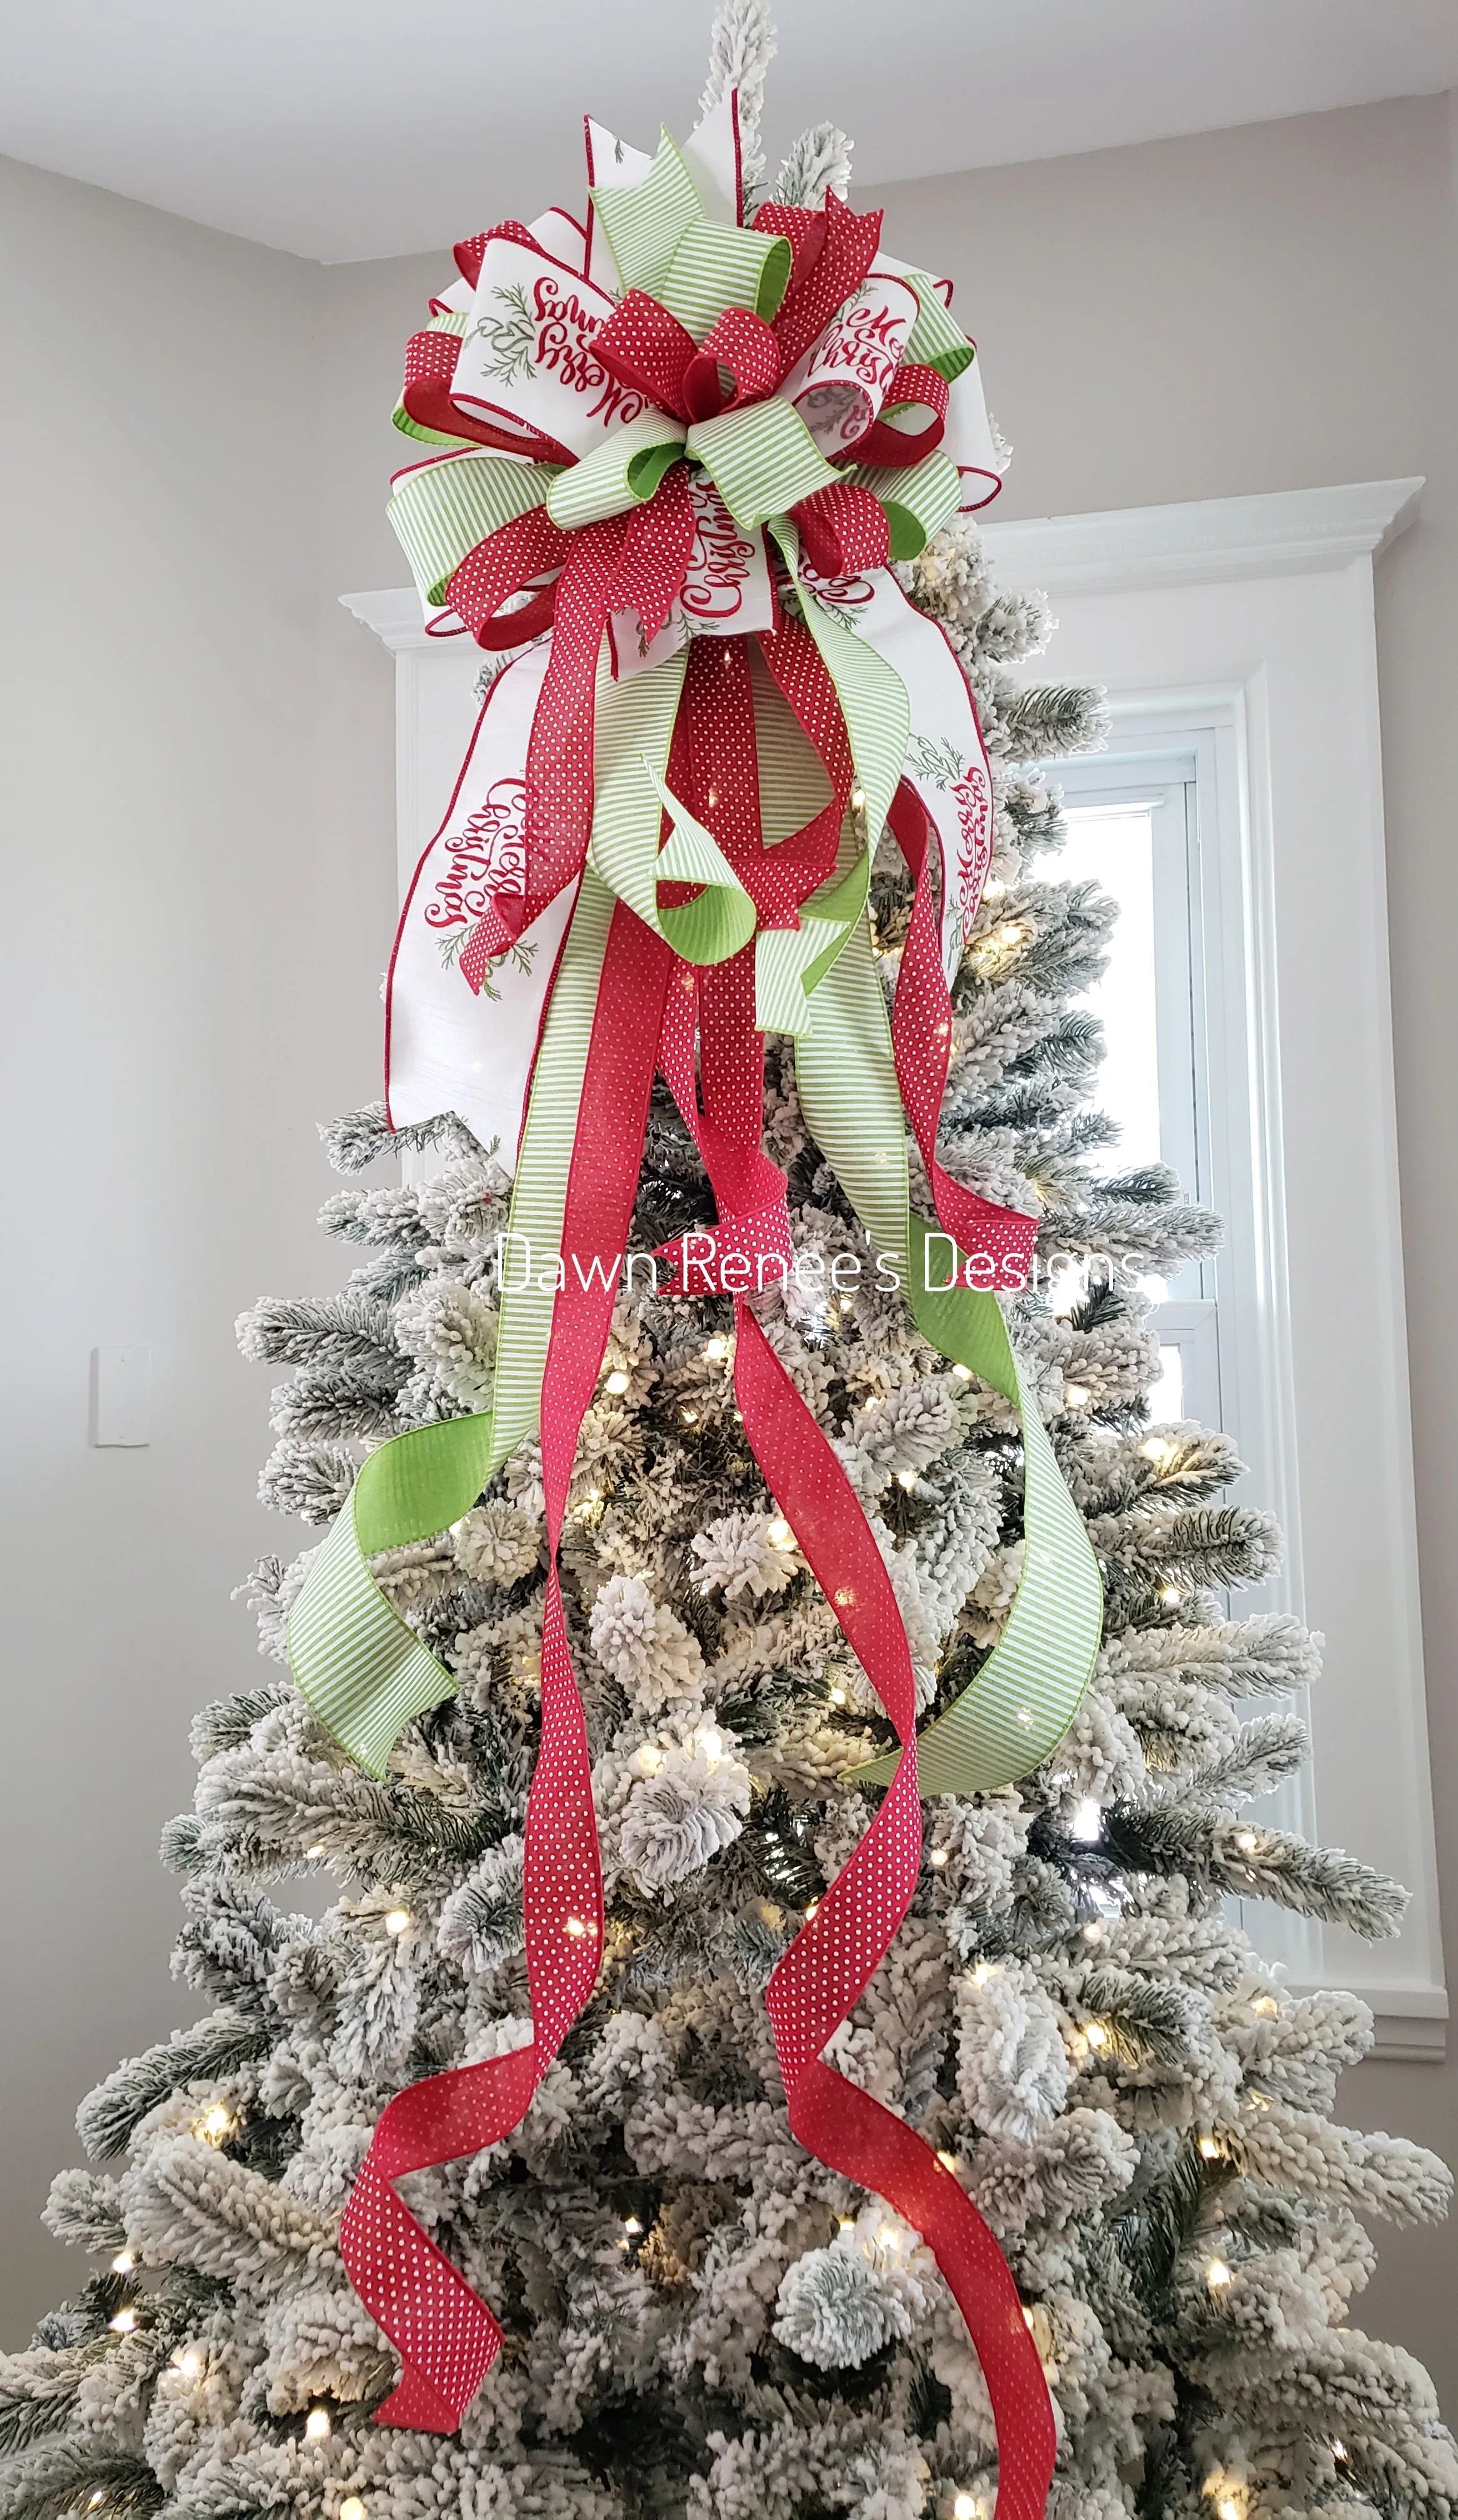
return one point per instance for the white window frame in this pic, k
(1244, 629)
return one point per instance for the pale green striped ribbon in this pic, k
(696, 267)
(762, 460)
(919, 499)
(1026, 1695)
(716, 267)
(441, 511)
(356, 1663)
(633, 732)
(620, 474)
(934, 339)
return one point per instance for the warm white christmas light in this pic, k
(982, 1972)
(1169, 1595)
(716, 1350)
(317, 2425)
(1218, 2275)
(124, 2321)
(711, 1745)
(1210, 2148)
(577, 1927)
(689, 1416)
(780, 1533)
(215, 2125)
(966, 2507)
(1094, 1933)
(351, 2509)
(950, 2161)
(190, 2362)
(1265, 2005)
(1096, 2033)
(397, 1921)
(1086, 1821)
(1245, 1839)
(632, 2225)
(963, 1373)
(937, 1858)
(312, 1853)
(124, 2263)
(905, 1479)
(838, 1697)
(617, 1380)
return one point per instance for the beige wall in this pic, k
(187, 961)
(1247, 310)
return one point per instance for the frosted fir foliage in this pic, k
(702, 2323)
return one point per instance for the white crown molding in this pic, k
(395, 614)
(1197, 542)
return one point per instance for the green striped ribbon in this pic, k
(935, 340)
(696, 267)
(919, 499)
(443, 510)
(632, 735)
(620, 474)
(716, 267)
(1026, 1695)
(644, 223)
(762, 460)
(355, 1661)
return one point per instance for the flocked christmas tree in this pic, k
(700, 2320)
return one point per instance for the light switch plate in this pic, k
(121, 1395)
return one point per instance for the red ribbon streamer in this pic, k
(651, 1010)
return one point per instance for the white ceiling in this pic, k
(342, 129)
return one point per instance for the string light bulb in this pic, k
(966, 2507)
(215, 2125)
(190, 2362)
(1094, 1933)
(96, 2500)
(857, 800)
(124, 2263)
(1218, 2275)
(632, 2225)
(950, 2161)
(577, 1927)
(1228, 2508)
(1245, 1839)
(351, 2509)
(1087, 1823)
(649, 1759)
(1096, 2033)
(813, 1909)
(847, 2221)
(1267, 2005)
(712, 1745)
(1339, 2452)
(312, 1853)
(397, 1921)
(780, 1533)
(905, 1479)
(617, 1381)
(963, 1373)
(937, 1858)
(1076, 1395)
(715, 1351)
(317, 2424)
(124, 2321)
(1210, 2148)
(838, 1697)
(984, 1970)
